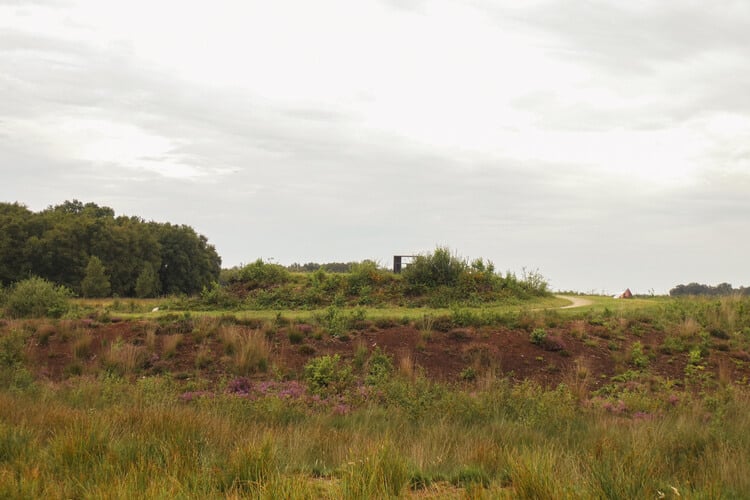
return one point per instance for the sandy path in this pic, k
(576, 301)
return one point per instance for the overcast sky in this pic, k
(605, 143)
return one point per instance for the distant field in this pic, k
(142, 308)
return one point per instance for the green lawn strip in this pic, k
(371, 313)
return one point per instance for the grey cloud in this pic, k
(551, 111)
(318, 115)
(310, 183)
(26, 3)
(637, 37)
(406, 5)
(106, 84)
(666, 61)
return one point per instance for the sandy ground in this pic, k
(576, 301)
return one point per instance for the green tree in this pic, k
(57, 242)
(147, 285)
(95, 282)
(15, 230)
(188, 262)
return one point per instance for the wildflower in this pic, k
(239, 385)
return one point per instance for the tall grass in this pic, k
(398, 435)
(250, 351)
(108, 437)
(125, 358)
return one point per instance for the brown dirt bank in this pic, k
(57, 350)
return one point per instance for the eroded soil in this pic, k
(67, 348)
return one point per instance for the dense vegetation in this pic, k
(90, 251)
(331, 267)
(437, 279)
(226, 419)
(697, 289)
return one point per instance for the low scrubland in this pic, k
(109, 437)
(500, 394)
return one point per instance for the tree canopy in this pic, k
(57, 244)
(707, 290)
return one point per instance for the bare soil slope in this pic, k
(67, 348)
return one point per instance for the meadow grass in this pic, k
(142, 308)
(117, 435)
(105, 436)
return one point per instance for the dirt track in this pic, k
(576, 301)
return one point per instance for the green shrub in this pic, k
(260, 274)
(468, 374)
(538, 336)
(12, 348)
(637, 356)
(379, 367)
(435, 269)
(327, 374)
(465, 317)
(334, 321)
(217, 295)
(362, 277)
(36, 297)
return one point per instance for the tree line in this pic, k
(708, 290)
(92, 252)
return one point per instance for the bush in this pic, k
(379, 368)
(12, 348)
(362, 276)
(637, 356)
(218, 296)
(538, 336)
(327, 374)
(334, 321)
(435, 269)
(36, 297)
(260, 275)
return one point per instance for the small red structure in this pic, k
(627, 294)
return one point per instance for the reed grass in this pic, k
(109, 437)
(161, 436)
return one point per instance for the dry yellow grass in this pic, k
(170, 343)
